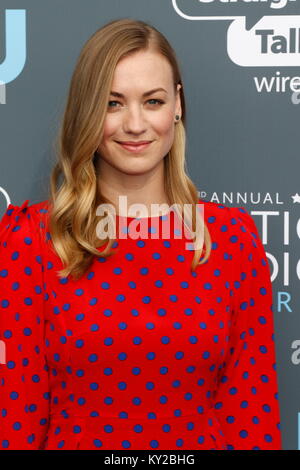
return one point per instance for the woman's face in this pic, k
(136, 113)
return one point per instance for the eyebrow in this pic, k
(148, 93)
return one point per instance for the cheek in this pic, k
(164, 124)
(110, 128)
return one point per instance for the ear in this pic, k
(178, 109)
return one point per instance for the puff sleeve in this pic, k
(24, 394)
(246, 398)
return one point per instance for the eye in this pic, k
(112, 102)
(157, 101)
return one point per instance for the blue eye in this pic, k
(157, 101)
(112, 102)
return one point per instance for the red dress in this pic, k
(141, 353)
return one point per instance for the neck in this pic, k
(137, 188)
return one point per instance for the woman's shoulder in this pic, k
(23, 222)
(223, 211)
(228, 219)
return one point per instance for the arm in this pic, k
(24, 394)
(246, 399)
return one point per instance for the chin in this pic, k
(135, 171)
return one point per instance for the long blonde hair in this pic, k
(73, 202)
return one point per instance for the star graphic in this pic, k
(296, 198)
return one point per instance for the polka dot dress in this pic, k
(142, 352)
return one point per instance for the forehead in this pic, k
(142, 69)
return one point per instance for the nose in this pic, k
(134, 120)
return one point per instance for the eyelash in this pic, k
(160, 102)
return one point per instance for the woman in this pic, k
(123, 342)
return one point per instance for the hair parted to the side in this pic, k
(73, 201)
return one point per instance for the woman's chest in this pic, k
(143, 300)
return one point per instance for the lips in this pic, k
(135, 146)
(141, 142)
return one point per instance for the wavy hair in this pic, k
(73, 200)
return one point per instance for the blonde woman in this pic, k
(117, 339)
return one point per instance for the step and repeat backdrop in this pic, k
(240, 62)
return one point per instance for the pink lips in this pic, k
(135, 146)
